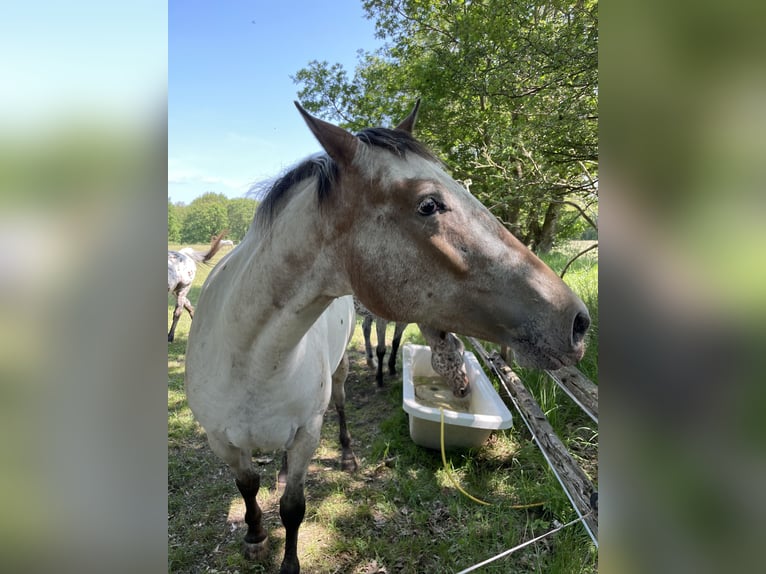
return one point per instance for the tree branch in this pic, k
(576, 257)
(578, 208)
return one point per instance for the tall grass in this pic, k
(397, 513)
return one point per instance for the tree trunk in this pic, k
(544, 243)
(511, 218)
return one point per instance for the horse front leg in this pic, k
(292, 504)
(348, 460)
(256, 543)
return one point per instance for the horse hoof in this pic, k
(348, 463)
(256, 550)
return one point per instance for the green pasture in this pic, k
(399, 512)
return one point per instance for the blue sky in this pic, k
(231, 118)
(65, 61)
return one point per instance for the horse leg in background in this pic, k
(292, 504)
(189, 308)
(182, 302)
(380, 350)
(348, 460)
(256, 543)
(366, 329)
(176, 315)
(398, 331)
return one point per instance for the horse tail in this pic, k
(215, 245)
(204, 257)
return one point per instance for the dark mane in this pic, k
(397, 142)
(320, 166)
(325, 170)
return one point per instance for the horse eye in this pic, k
(428, 206)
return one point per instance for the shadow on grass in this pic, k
(397, 513)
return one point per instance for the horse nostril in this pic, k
(580, 327)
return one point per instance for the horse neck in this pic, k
(288, 276)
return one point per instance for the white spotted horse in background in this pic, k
(182, 267)
(375, 214)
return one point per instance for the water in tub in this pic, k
(436, 392)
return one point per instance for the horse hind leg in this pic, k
(189, 308)
(348, 460)
(255, 545)
(183, 299)
(398, 331)
(380, 328)
(366, 331)
(182, 302)
(176, 315)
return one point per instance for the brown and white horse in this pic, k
(376, 216)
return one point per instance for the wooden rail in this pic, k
(580, 389)
(576, 484)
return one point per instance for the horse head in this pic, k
(416, 246)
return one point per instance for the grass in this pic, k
(398, 512)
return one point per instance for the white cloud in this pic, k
(198, 181)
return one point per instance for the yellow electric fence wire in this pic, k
(454, 482)
(446, 468)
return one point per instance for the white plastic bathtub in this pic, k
(487, 412)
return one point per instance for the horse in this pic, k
(374, 214)
(380, 349)
(182, 267)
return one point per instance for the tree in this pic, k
(509, 98)
(240, 214)
(174, 223)
(206, 216)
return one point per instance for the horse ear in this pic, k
(337, 142)
(408, 124)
